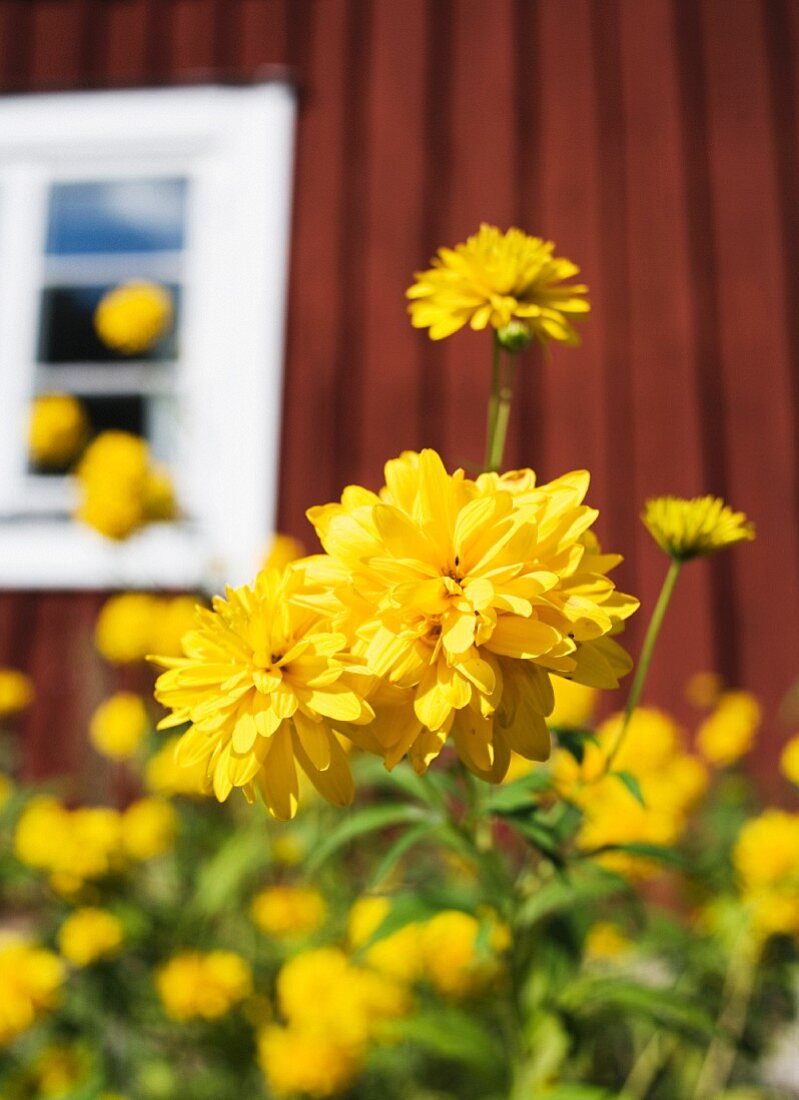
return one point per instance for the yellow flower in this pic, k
(123, 631)
(30, 979)
(507, 281)
(163, 775)
(574, 704)
(766, 853)
(133, 316)
(173, 618)
(119, 490)
(789, 760)
(289, 911)
(729, 732)
(688, 529)
(399, 955)
(321, 991)
(195, 985)
(605, 941)
(703, 689)
(297, 1061)
(451, 961)
(118, 726)
(261, 681)
(16, 691)
(463, 598)
(89, 934)
(72, 845)
(57, 429)
(670, 780)
(148, 828)
(282, 552)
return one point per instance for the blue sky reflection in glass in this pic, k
(139, 215)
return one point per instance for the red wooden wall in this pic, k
(655, 141)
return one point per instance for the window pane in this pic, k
(116, 216)
(124, 413)
(67, 334)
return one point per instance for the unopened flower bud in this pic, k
(515, 336)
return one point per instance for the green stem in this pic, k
(739, 985)
(646, 1067)
(493, 401)
(496, 444)
(645, 660)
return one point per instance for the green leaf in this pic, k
(408, 840)
(563, 894)
(368, 820)
(372, 772)
(668, 1008)
(658, 852)
(221, 880)
(517, 795)
(632, 785)
(450, 1034)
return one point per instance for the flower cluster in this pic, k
(669, 780)
(16, 691)
(766, 859)
(30, 978)
(289, 912)
(439, 612)
(729, 731)
(76, 846)
(195, 985)
(89, 934)
(120, 488)
(132, 624)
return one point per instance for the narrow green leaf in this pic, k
(368, 820)
(403, 844)
(451, 1034)
(518, 795)
(632, 785)
(658, 852)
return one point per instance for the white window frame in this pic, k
(235, 146)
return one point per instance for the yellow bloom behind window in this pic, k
(58, 427)
(134, 316)
(506, 281)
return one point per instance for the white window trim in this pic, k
(236, 145)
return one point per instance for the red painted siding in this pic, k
(655, 142)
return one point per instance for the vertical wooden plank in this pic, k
(393, 211)
(667, 448)
(309, 436)
(192, 49)
(128, 41)
(16, 43)
(264, 31)
(483, 181)
(762, 463)
(57, 55)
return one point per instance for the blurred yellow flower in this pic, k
(451, 961)
(59, 1069)
(703, 689)
(789, 760)
(283, 550)
(174, 616)
(729, 732)
(123, 630)
(148, 828)
(399, 955)
(321, 991)
(57, 429)
(72, 845)
(262, 680)
(508, 281)
(193, 984)
(296, 1062)
(89, 934)
(464, 597)
(688, 529)
(16, 691)
(288, 911)
(119, 725)
(134, 316)
(670, 780)
(766, 853)
(605, 941)
(30, 979)
(574, 703)
(163, 775)
(119, 490)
